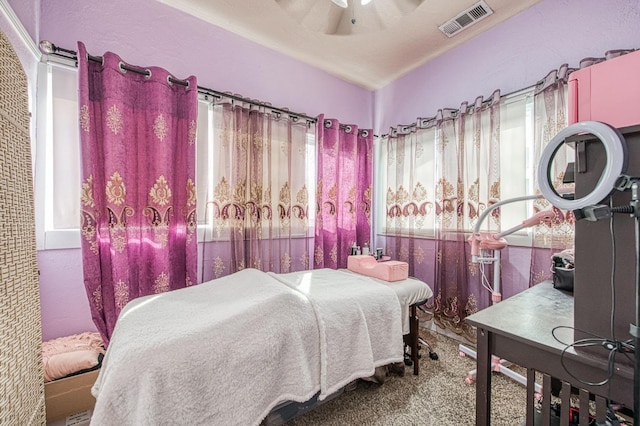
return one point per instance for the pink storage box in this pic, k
(607, 92)
(391, 270)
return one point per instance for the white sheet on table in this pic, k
(359, 322)
(408, 291)
(229, 360)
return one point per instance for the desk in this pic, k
(519, 330)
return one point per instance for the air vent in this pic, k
(466, 18)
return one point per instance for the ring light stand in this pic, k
(485, 249)
(612, 178)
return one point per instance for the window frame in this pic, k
(50, 238)
(523, 237)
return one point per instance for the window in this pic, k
(260, 174)
(58, 160)
(517, 162)
(407, 170)
(404, 203)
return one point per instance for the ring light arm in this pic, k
(544, 216)
(494, 241)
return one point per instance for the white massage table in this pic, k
(411, 293)
(231, 350)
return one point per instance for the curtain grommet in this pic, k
(169, 80)
(121, 67)
(327, 124)
(147, 73)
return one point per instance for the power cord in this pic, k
(613, 345)
(613, 273)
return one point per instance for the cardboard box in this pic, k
(68, 396)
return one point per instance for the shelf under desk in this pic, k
(519, 329)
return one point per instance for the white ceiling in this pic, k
(388, 39)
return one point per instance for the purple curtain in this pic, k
(137, 136)
(345, 177)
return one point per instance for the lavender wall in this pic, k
(28, 13)
(511, 56)
(146, 32)
(27, 54)
(63, 300)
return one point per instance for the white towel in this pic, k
(359, 321)
(221, 353)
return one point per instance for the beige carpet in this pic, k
(438, 396)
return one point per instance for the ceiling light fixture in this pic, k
(363, 2)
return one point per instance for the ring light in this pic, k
(615, 148)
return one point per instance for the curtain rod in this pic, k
(51, 49)
(415, 123)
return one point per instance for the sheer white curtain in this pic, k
(406, 194)
(408, 163)
(259, 205)
(550, 116)
(468, 164)
(440, 174)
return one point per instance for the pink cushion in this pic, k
(70, 354)
(392, 270)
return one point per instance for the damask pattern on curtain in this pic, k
(468, 157)
(426, 214)
(344, 192)
(550, 116)
(137, 135)
(257, 213)
(462, 146)
(407, 191)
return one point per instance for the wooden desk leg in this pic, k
(483, 378)
(531, 398)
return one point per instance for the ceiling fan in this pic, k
(344, 4)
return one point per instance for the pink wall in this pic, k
(509, 57)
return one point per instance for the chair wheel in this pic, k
(433, 356)
(407, 361)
